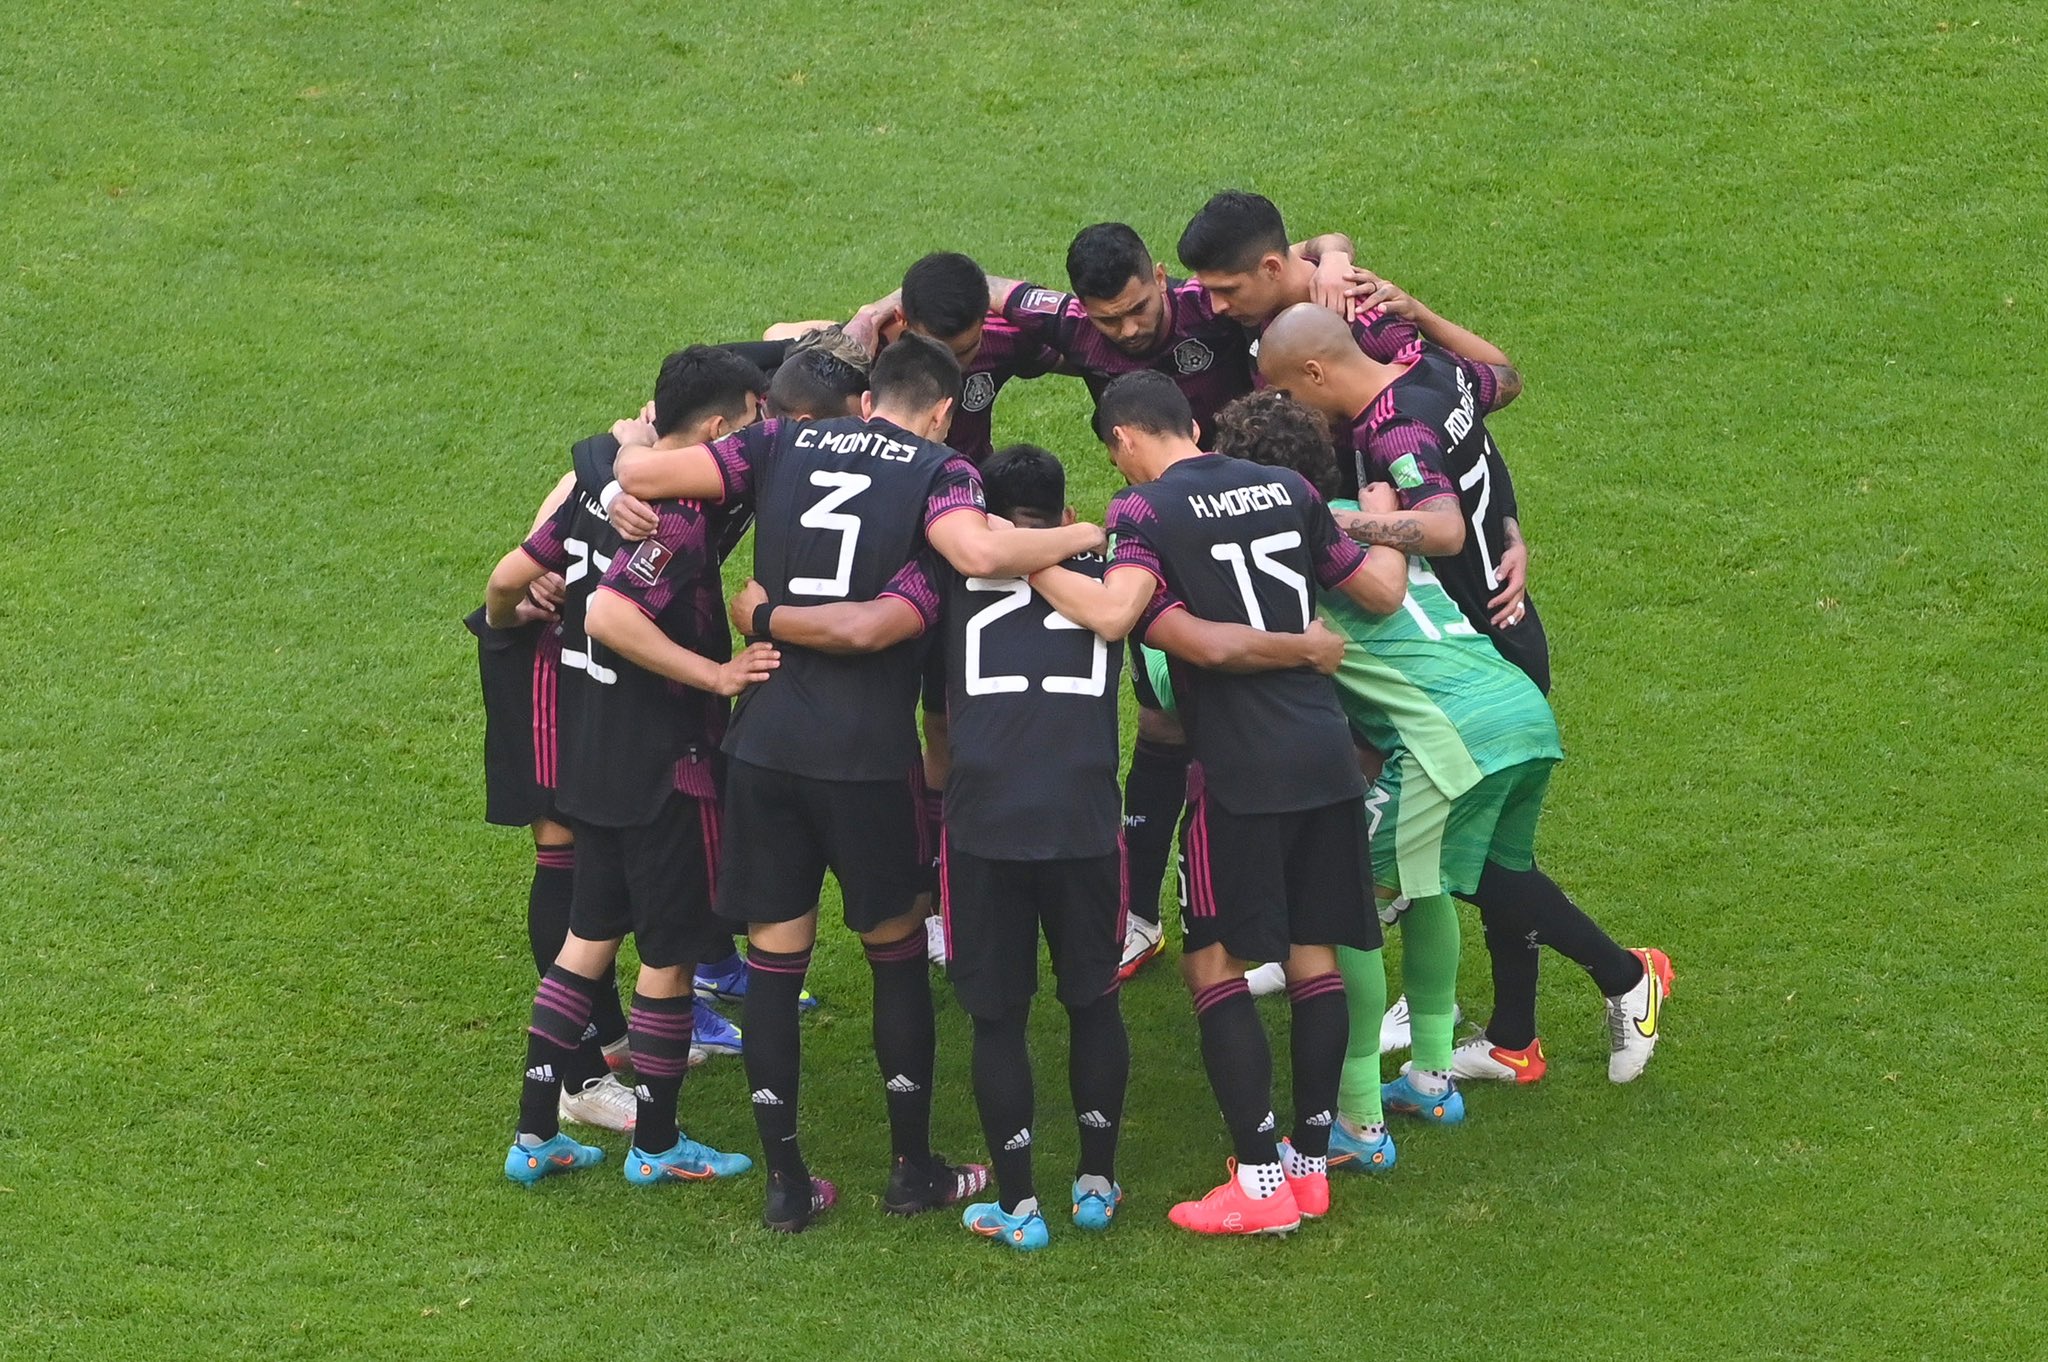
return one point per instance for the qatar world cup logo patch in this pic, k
(1191, 357)
(977, 392)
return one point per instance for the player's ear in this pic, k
(1067, 516)
(1159, 275)
(1312, 370)
(942, 418)
(1197, 436)
(717, 430)
(867, 405)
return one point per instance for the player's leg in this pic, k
(771, 867)
(938, 766)
(587, 1096)
(1155, 792)
(872, 847)
(1233, 910)
(1412, 820)
(1081, 905)
(669, 870)
(1359, 1141)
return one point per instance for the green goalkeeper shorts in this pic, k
(1424, 843)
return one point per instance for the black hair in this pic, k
(1025, 478)
(1103, 260)
(1231, 232)
(815, 383)
(1146, 400)
(703, 381)
(916, 373)
(944, 294)
(1271, 428)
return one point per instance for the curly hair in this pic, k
(1270, 427)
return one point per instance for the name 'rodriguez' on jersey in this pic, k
(840, 505)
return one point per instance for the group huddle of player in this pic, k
(1318, 582)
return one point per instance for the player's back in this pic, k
(840, 505)
(1239, 542)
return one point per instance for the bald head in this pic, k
(1310, 354)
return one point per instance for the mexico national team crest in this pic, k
(1191, 357)
(977, 392)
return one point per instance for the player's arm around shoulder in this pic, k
(1110, 605)
(1222, 647)
(907, 607)
(1378, 581)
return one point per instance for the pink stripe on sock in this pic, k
(1220, 993)
(1315, 987)
(896, 952)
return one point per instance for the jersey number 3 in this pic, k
(826, 515)
(1016, 594)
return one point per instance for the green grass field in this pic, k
(303, 303)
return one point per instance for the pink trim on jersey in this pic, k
(546, 677)
(944, 511)
(946, 897)
(712, 823)
(923, 623)
(1201, 886)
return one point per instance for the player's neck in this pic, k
(1360, 384)
(1167, 453)
(1296, 276)
(911, 421)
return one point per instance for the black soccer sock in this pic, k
(1003, 1096)
(1322, 1031)
(906, 1042)
(1155, 791)
(547, 927)
(1561, 925)
(1240, 1065)
(1098, 1072)
(1511, 944)
(660, 1033)
(774, 1053)
(561, 1009)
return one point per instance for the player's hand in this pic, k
(543, 599)
(1326, 647)
(1371, 291)
(865, 326)
(756, 663)
(635, 430)
(1098, 541)
(1330, 285)
(1380, 498)
(745, 602)
(1511, 605)
(647, 412)
(632, 517)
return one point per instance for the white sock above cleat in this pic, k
(1260, 1180)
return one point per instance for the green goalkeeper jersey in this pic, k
(1423, 680)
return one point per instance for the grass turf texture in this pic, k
(304, 303)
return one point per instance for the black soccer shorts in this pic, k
(653, 881)
(994, 910)
(1526, 645)
(784, 831)
(518, 674)
(1262, 883)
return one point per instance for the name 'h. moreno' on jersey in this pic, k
(626, 737)
(1208, 357)
(1031, 713)
(1426, 435)
(1242, 543)
(839, 506)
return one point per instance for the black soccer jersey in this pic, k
(1426, 434)
(1031, 712)
(839, 506)
(1242, 543)
(626, 737)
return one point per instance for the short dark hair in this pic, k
(1025, 478)
(1231, 232)
(1103, 260)
(702, 381)
(1147, 400)
(815, 382)
(944, 294)
(915, 372)
(1269, 427)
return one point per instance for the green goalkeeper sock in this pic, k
(1365, 997)
(1429, 976)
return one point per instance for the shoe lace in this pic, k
(1617, 1024)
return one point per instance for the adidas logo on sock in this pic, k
(1268, 1125)
(589, 1032)
(1094, 1120)
(1321, 1118)
(765, 1097)
(541, 1073)
(641, 1094)
(903, 1083)
(1021, 1140)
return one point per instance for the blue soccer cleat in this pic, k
(712, 1032)
(1093, 1210)
(528, 1164)
(1356, 1155)
(687, 1162)
(1021, 1232)
(1402, 1096)
(726, 982)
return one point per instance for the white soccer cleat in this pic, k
(604, 1102)
(1633, 1019)
(1396, 1030)
(1142, 942)
(1479, 1059)
(935, 940)
(1266, 980)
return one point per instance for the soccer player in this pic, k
(644, 651)
(1273, 848)
(1031, 833)
(822, 757)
